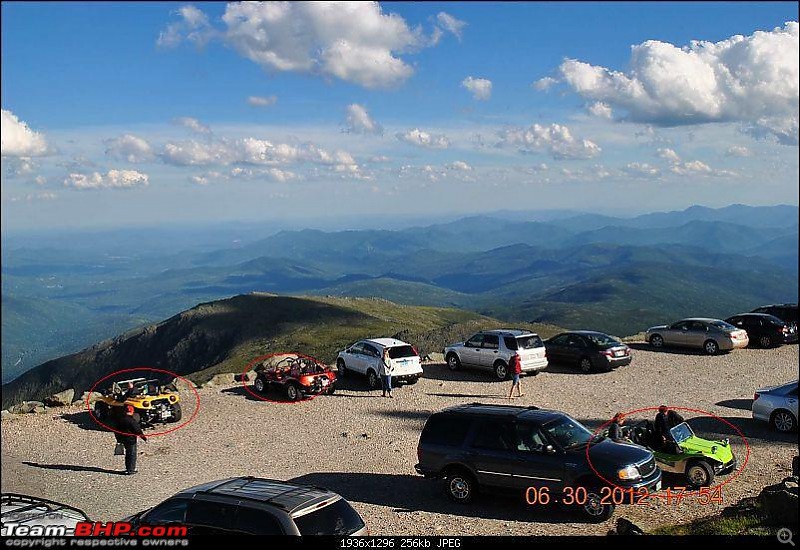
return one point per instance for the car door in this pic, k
(675, 335)
(354, 360)
(791, 401)
(697, 334)
(575, 349)
(539, 463)
(372, 355)
(210, 516)
(555, 347)
(470, 353)
(256, 521)
(492, 451)
(490, 349)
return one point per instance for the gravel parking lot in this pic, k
(364, 446)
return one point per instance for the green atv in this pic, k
(698, 459)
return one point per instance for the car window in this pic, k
(722, 325)
(398, 352)
(371, 350)
(738, 321)
(475, 341)
(530, 438)
(682, 325)
(171, 511)
(603, 340)
(491, 341)
(445, 430)
(338, 518)
(576, 341)
(357, 349)
(698, 326)
(497, 435)
(257, 522)
(529, 342)
(567, 432)
(205, 513)
(510, 342)
(559, 340)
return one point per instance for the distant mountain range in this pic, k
(589, 271)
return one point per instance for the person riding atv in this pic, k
(698, 459)
(153, 401)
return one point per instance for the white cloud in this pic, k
(129, 148)
(545, 83)
(460, 165)
(555, 139)
(421, 138)
(193, 124)
(640, 169)
(738, 151)
(17, 167)
(451, 24)
(262, 101)
(692, 167)
(358, 121)
(749, 79)
(193, 27)
(113, 179)
(33, 197)
(480, 88)
(668, 154)
(18, 140)
(600, 110)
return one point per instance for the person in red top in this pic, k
(516, 369)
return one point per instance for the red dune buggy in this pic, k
(296, 377)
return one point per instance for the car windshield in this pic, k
(603, 340)
(399, 352)
(338, 518)
(681, 432)
(525, 342)
(567, 432)
(722, 325)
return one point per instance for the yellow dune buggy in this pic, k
(155, 403)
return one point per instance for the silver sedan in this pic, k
(778, 406)
(709, 335)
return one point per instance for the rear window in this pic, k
(524, 342)
(338, 518)
(445, 430)
(722, 325)
(603, 340)
(399, 352)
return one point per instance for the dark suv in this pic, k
(786, 312)
(254, 506)
(516, 448)
(764, 330)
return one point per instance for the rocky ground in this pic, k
(364, 446)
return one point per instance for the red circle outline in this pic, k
(267, 356)
(700, 411)
(188, 383)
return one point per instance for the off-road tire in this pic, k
(177, 413)
(260, 385)
(293, 392)
(699, 473)
(101, 411)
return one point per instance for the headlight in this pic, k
(713, 449)
(145, 403)
(726, 442)
(629, 473)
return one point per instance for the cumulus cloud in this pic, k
(358, 121)
(640, 169)
(694, 167)
(17, 167)
(749, 79)
(34, 197)
(480, 88)
(600, 110)
(193, 124)
(129, 148)
(353, 41)
(460, 166)
(262, 101)
(668, 154)
(450, 24)
(554, 139)
(18, 140)
(544, 84)
(420, 138)
(738, 151)
(113, 179)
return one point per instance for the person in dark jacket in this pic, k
(616, 432)
(129, 430)
(661, 427)
(515, 365)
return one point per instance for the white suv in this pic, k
(492, 349)
(364, 357)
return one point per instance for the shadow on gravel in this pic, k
(471, 395)
(439, 371)
(74, 468)
(404, 493)
(740, 404)
(756, 432)
(84, 421)
(668, 350)
(272, 396)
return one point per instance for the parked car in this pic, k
(785, 312)
(364, 356)
(764, 329)
(255, 506)
(480, 446)
(154, 401)
(588, 350)
(492, 349)
(295, 377)
(778, 406)
(29, 511)
(709, 335)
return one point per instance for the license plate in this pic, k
(619, 353)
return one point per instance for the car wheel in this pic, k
(711, 347)
(657, 341)
(412, 381)
(453, 362)
(331, 390)
(341, 368)
(783, 421)
(765, 341)
(372, 380)
(100, 411)
(177, 413)
(699, 474)
(259, 385)
(460, 486)
(293, 392)
(586, 365)
(595, 510)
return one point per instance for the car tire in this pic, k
(783, 421)
(765, 341)
(699, 473)
(341, 368)
(177, 413)
(460, 486)
(260, 386)
(585, 365)
(331, 390)
(293, 392)
(595, 510)
(501, 370)
(710, 347)
(657, 341)
(373, 380)
(453, 362)
(100, 411)
(412, 381)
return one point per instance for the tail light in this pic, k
(415, 351)
(607, 353)
(756, 396)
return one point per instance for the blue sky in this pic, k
(126, 113)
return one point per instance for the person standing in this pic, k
(386, 369)
(616, 432)
(661, 427)
(515, 364)
(129, 430)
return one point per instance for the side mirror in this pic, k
(549, 449)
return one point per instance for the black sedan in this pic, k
(763, 329)
(590, 351)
